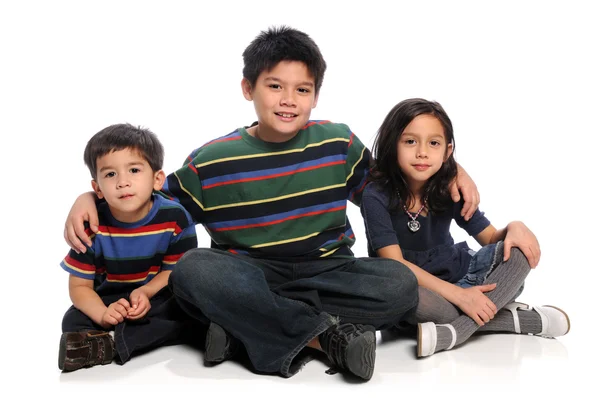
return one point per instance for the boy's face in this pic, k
(126, 180)
(283, 99)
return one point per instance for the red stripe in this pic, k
(287, 173)
(191, 166)
(127, 277)
(312, 213)
(360, 189)
(351, 139)
(145, 228)
(313, 123)
(239, 137)
(172, 257)
(79, 265)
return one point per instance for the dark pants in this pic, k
(276, 307)
(165, 324)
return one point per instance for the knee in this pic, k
(403, 289)
(194, 271)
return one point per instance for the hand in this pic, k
(140, 304)
(477, 305)
(518, 235)
(84, 209)
(115, 313)
(467, 187)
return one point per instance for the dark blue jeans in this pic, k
(165, 324)
(276, 307)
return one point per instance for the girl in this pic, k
(407, 211)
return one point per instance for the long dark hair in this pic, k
(385, 170)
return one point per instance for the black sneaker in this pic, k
(220, 345)
(84, 349)
(351, 347)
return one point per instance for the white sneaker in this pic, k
(555, 322)
(427, 338)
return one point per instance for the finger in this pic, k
(454, 191)
(73, 240)
(484, 316)
(507, 246)
(94, 222)
(116, 314)
(489, 312)
(79, 228)
(472, 206)
(486, 288)
(121, 310)
(124, 303)
(111, 320)
(477, 320)
(530, 257)
(492, 306)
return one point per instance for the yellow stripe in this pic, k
(291, 195)
(188, 192)
(260, 155)
(357, 162)
(138, 234)
(329, 253)
(169, 262)
(78, 269)
(281, 242)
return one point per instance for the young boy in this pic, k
(280, 275)
(119, 283)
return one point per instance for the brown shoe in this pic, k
(85, 349)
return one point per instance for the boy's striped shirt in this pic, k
(125, 256)
(276, 199)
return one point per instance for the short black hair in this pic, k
(283, 43)
(124, 136)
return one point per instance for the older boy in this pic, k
(118, 284)
(281, 275)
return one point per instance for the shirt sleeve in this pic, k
(378, 222)
(184, 186)
(181, 242)
(475, 225)
(357, 168)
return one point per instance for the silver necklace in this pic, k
(413, 224)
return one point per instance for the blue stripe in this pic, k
(274, 217)
(74, 272)
(264, 173)
(123, 248)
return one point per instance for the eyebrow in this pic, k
(128, 165)
(277, 80)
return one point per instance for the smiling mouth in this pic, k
(126, 196)
(286, 115)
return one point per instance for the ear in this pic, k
(449, 151)
(247, 89)
(96, 189)
(315, 101)
(159, 180)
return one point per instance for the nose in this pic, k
(422, 151)
(288, 97)
(123, 182)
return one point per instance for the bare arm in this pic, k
(515, 234)
(86, 300)
(471, 301)
(158, 282)
(465, 185)
(84, 209)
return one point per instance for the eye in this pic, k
(304, 90)
(435, 143)
(110, 174)
(275, 86)
(410, 141)
(134, 170)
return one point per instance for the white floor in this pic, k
(487, 364)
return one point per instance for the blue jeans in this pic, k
(482, 265)
(165, 324)
(275, 308)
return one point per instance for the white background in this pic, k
(518, 79)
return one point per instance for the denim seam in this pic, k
(120, 345)
(323, 326)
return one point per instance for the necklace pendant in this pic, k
(414, 225)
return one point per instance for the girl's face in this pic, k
(422, 149)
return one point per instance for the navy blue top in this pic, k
(431, 247)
